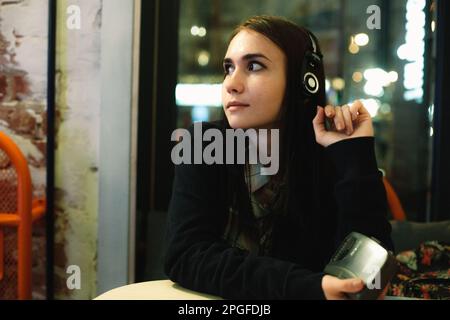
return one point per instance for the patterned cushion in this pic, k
(423, 273)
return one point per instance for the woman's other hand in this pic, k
(336, 289)
(346, 122)
(383, 294)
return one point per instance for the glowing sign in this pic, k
(199, 95)
(413, 50)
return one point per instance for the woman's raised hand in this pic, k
(346, 122)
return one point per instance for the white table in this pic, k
(154, 290)
(168, 290)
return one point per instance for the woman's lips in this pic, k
(234, 106)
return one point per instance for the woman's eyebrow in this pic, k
(248, 56)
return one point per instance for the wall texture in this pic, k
(93, 98)
(23, 85)
(77, 145)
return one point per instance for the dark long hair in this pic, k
(298, 148)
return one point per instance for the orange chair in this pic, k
(394, 202)
(18, 211)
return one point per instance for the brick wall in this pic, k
(23, 77)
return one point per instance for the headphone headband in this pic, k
(313, 43)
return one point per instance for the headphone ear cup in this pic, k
(311, 83)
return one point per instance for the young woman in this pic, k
(235, 233)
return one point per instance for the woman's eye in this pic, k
(228, 68)
(255, 66)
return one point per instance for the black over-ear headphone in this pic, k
(310, 68)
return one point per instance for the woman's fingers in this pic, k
(354, 108)
(335, 288)
(361, 109)
(351, 285)
(383, 294)
(358, 109)
(329, 116)
(347, 119)
(333, 124)
(329, 111)
(343, 117)
(339, 120)
(319, 121)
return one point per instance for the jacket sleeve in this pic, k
(199, 259)
(359, 190)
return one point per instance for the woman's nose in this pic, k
(234, 83)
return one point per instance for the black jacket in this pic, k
(199, 259)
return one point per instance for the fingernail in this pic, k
(338, 126)
(356, 283)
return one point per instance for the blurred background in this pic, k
(92, 90)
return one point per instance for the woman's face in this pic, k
(255, 81)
